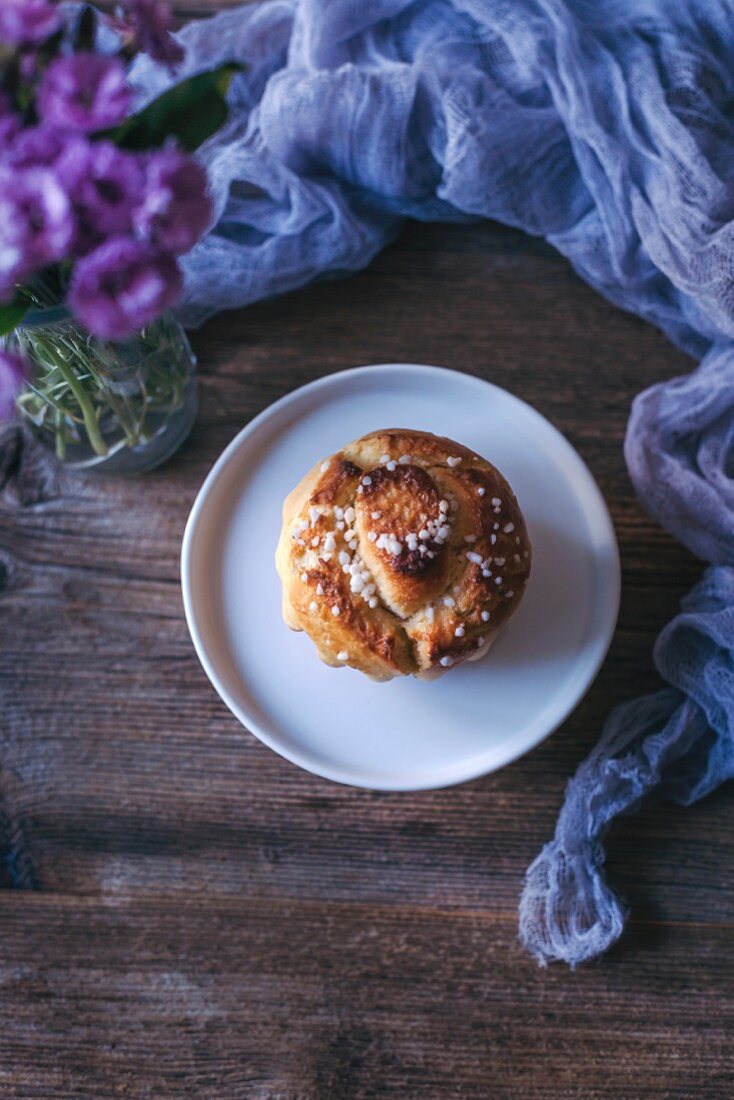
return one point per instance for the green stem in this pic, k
(60, 440)
(90, 420)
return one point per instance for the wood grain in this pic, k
(187, 915)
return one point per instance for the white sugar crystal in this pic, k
(509, 594)
(349, 514)
(376, 515)
(336, 610)
(449, 601)
(430, 614)
(373, 603)
(344, 558)
(481, 490)
(443, 506)
(384, 459)
(356, 584)
(304, 577)
(492, 539)
(404, 460)
(496, 502)
(509, 528)
(480, 642)
(313, 514)
(349, 534)
(342, 655)
(392, 466)
(471, 555)
(453, 462)
(329, 542)
(325, 466)
(353, 544)
(498, 580)
(459, 632)
(446, 662)
(372, 536)
(444, 531)
(424, 534)
(367, 480)
(319, 589)
(338, 512)
(315, 542)
(485, 616)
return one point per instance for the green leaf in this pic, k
(190, 112)
(11, 314)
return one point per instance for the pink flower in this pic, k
(37, 224)
(10, 123)
(122, 286)
(151, 23)
(84, 92)
(13, 373)
(36, 146)
(105, 185)
(176, 210)
(26, 22)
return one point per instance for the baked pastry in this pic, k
(403, 554)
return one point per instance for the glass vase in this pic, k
(114, 407)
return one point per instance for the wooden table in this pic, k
(184, 914)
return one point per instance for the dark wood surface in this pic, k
(184, 914)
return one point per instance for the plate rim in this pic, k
(607, 612)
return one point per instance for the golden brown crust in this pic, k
(403, 553)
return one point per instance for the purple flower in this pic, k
(9, 123)
(84, 92)
(122, 286)
(37, 225)
(13, 373)
(36, 146)
(151, 23)
(177, 209)
(105, 185)
(24, 22)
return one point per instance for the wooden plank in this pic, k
(239, 999)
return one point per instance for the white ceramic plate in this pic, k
(406, 734)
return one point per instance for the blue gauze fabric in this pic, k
(608, 129)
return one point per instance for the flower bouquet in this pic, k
(97, 203)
